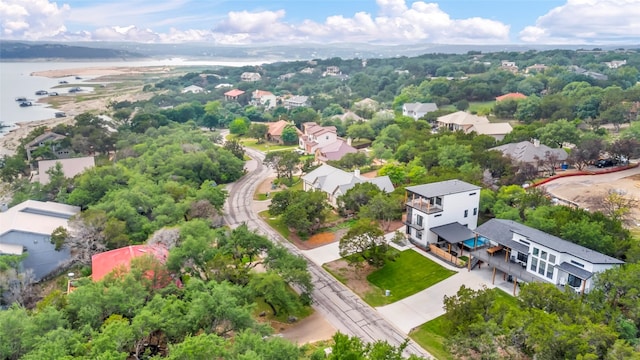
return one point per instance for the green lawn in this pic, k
(275, 223)
(407, 275)
(432, 335)
(264, 146)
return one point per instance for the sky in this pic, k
(262, 22)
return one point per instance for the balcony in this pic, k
(424, 206)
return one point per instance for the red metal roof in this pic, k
(234, 92)
(511, 96)
(102, 264)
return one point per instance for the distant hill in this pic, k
(21, 50)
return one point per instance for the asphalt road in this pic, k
(343, 309)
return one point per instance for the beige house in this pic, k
(250, 76)
(467, 123)
(70, 167)
(315, 136)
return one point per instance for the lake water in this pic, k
(16, 81)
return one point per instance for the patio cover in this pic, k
(574, 270)
(453, 233)
(514, 245)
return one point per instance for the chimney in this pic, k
(349, 141)
(536, 142)
(356, 172)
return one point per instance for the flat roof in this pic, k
(453, 233)
(442, 188)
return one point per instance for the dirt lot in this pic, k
(588, 191)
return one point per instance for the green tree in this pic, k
(304, 211)
(275, 293)
(258, 132)
(289, 135)
(360, 131)
(235, 147)
(559, 132)
(365, 241)
(284, 162)
(357, 196)
(239, 126)
(384, 208)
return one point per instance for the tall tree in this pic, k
(365, 241)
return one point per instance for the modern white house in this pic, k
(533, 255)
(27, 228)
(441, 212)
(336, 182)
(418, 110)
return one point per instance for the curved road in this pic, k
(343, 309)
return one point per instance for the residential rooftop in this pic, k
(442, 188)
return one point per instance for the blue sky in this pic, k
(573, 22)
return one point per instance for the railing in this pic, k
(424, 206)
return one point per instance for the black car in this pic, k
(603, 163)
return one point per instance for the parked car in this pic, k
(41, 92)
(53, 93)
(603, 163)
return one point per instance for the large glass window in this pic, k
(550, 269)
(543, 255)
(534, 265)
(419, 220)
(536, 251)
(419, 234)
(541, 267)
(552, 259)
(574, 281)
(438, 200)
(466, 213)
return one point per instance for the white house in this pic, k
(296, 101)
(444, 211)
(543, 257)
(27, 227)
(263, 98)
(418, 110)
(335, 182)
(192, 89)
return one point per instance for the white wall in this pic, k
(453, 206)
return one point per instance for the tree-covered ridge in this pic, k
(547, 323)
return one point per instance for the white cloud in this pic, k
(587, 21)
(32, 19)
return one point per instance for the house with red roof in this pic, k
(511, 96)
(274, 132)
(120, 260)
(233, 94)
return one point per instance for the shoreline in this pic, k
(10, 139)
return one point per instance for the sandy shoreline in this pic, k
(102, 71)
(10, 140)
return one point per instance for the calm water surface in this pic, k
(16, 81)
